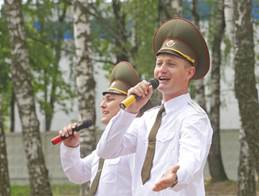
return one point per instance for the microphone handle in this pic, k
(127, 102)
(80, 125)
(132, 98)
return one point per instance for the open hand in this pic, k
(168, 180)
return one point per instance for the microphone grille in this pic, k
(154, 83)
(83, 125)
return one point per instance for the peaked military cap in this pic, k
(180, 37)
(123, 77)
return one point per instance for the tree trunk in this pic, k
(121, 51)
(199, 88)
(246, 171)
(54, 83)
(217, 31)
(21, 77)
(12, 112)
(85, 82)
(4, 174)
(168, 9)
(245, 84)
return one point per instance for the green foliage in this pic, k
(45, 27)
(140, 27)
(145, 24)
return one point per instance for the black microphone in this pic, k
(80, 125)
(132, 98)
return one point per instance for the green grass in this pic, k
(227, 188)
(19, 190)
(57, 190)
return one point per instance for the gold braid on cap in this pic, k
(182, 54)
(118, 90)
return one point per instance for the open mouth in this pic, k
(163, 78)
(105, 112)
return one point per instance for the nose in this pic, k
(163, 68)
(102, 104)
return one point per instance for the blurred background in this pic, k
(55, 58)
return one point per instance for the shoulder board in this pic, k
(196, 106)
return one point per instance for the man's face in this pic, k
(174, 74)
(110, 106)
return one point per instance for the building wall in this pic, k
(19, 173)
(17, 161)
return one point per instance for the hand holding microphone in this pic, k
(69, 131)
(141, 90)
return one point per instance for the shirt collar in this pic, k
(176, 103)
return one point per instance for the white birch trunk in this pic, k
(216, 167)
(169, 9)
(4, 173)
(247, 96)
(21, 77)
(84, 71)
(246, 169)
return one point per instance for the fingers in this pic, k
(168, 180)
(163, 183)
(142, 89)
(174, 168)
(68, 130)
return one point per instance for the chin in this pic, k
(104, 120)
(161, 88)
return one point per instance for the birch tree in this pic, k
(246, 171)
(217, 26)
(21, 77)
(247, 96)
(84, 71)
(121, 39)
(199, 87)
(168, 9)
(5, 89)
(46, 47)
(4, 173)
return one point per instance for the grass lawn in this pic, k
(57, 190)
(228, 188)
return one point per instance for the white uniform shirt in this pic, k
(183, 138)
(116, 176)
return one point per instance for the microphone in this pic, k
(132, 98)
(80, 125)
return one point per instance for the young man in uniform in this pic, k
(171, 142)
(113, 176)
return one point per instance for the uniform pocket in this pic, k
(165, 135)
(110, 170)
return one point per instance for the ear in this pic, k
(190, 72)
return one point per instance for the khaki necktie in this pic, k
(148, 163)
(94, 184)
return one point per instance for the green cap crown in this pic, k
(123, 77)
(182, 38)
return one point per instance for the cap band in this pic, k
(118, 90)
(179, 52)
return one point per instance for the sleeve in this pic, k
(194, 144)
(119, 137)
(76, 169)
